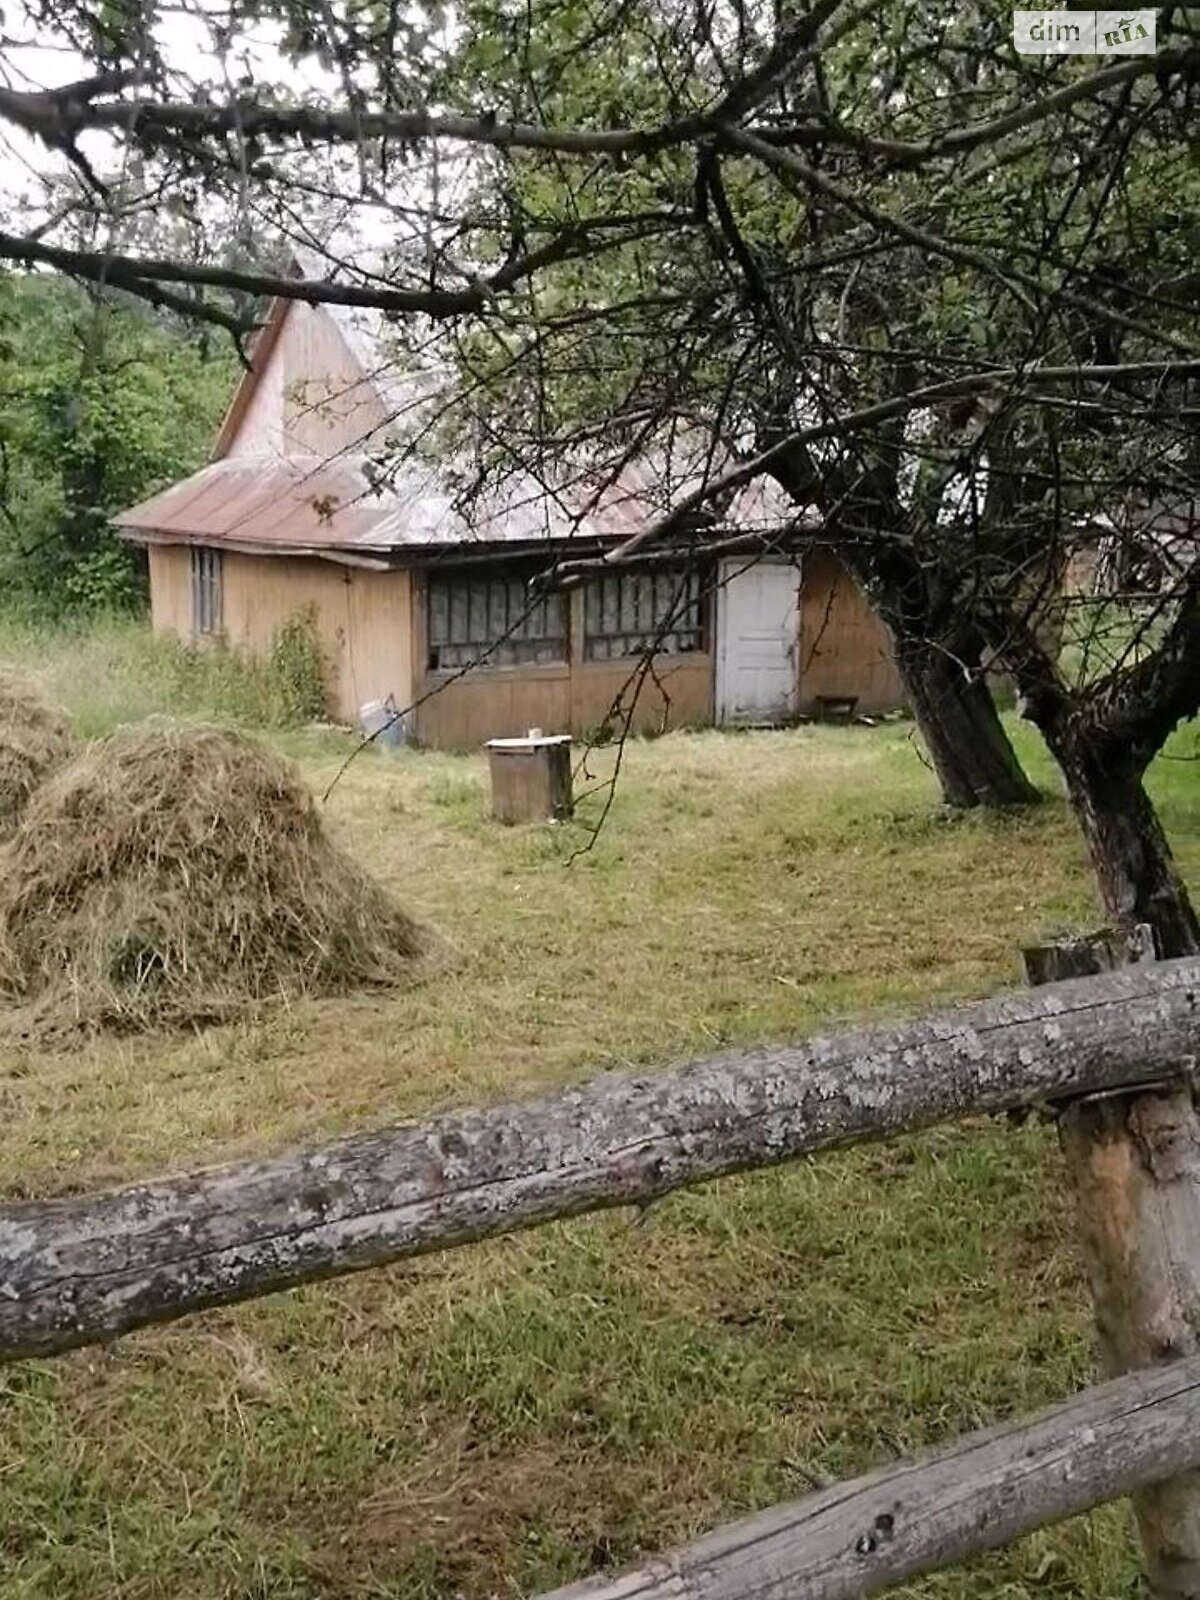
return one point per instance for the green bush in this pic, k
(299, 668)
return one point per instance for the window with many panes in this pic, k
(625, 613)
(206, 590)
(494, 620)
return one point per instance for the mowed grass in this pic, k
(506, 1417)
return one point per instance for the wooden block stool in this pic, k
(531, 777)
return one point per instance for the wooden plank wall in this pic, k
(373, 625)
(575, 696)
(845, 649)
(330, 404)
(362, 616)
(361, 619)
(171, 589)
(260, 430)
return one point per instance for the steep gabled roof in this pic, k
(267, 489)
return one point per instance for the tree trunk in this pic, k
(971, 753)
(1103, 771)
(1134, 867)
(967, 743)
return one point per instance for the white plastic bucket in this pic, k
(381, 721)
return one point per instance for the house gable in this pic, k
(311, 390)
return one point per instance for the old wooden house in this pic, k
(409, 586)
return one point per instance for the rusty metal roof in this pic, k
(307, 505)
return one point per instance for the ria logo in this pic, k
(1084, 33)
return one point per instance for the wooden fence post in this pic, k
(1134, 1164)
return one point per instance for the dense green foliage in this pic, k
(101, 402)
(299, 668)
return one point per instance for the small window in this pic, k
(495, 621)
(206, 590)
(627, 613)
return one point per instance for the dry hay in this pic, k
(35, 739)
(173, 874)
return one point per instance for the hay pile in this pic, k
(34, 740)
(172, 874)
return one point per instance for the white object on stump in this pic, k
(531, 777)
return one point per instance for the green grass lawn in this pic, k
(505, 1417)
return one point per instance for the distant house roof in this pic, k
(267, 490)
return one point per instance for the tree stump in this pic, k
(1134, 1164)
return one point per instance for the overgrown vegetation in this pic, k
(299, 668)
(505, 1417)
(102, 401)
(113, 670)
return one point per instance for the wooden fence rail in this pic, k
(985, 1490)
(85, 1268)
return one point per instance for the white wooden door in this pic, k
(758, 617)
